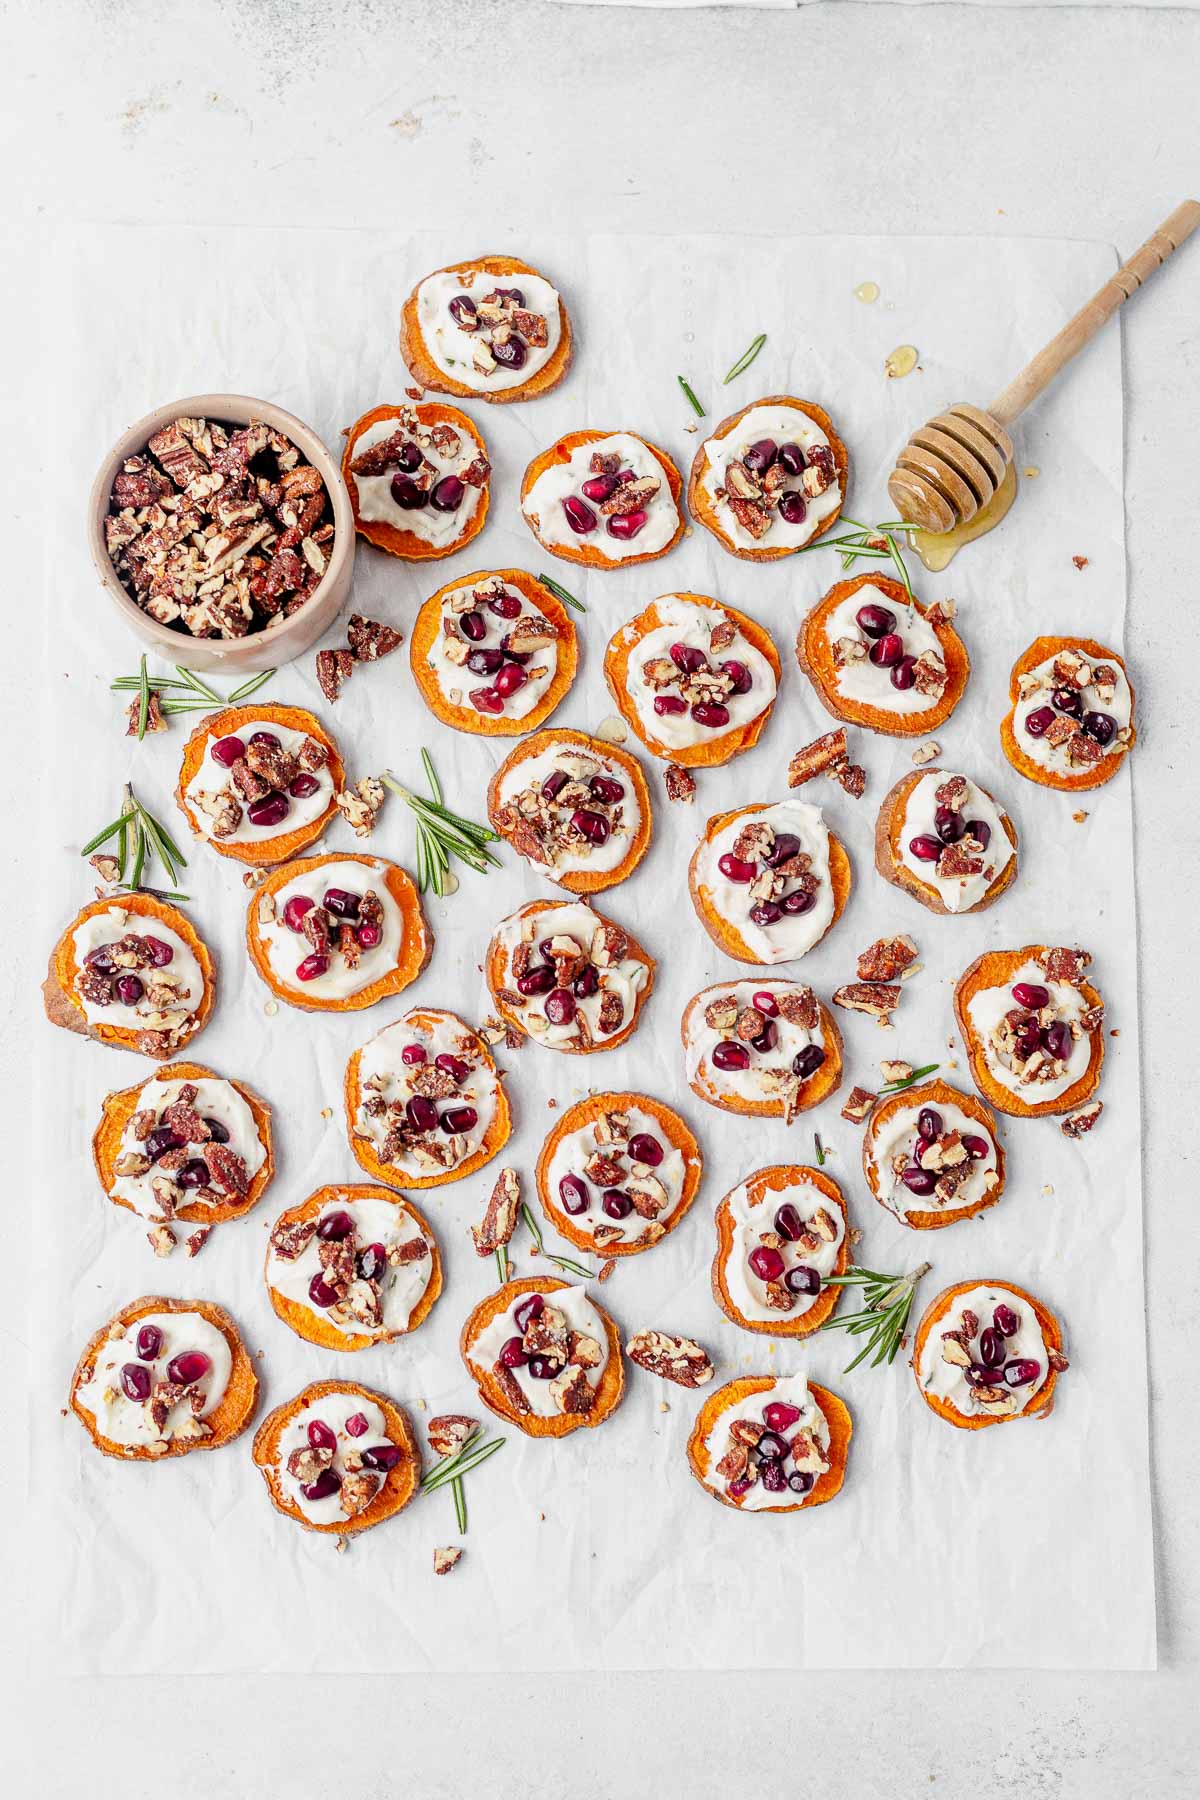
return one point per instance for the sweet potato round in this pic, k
(1099, 772)
(761, 1186)
(817, 1088)
(702, 509)
(426, 372)
(586, 1112)
(427, 629)
(837, 1417)
(723, 935)
(398, 1486)
(889, 833)
(496, 969)
(582, 553)
(227, 723)
(58, 990)
(995, 968)
(406, 544)
(815, 657)
(579, 881)
(608, 1391)
(1039, 1403)
(932, 1093)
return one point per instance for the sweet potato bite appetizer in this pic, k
(696, 680)
(258, 782)
(185, 1148)
(617, 1172)
(162, 1378)
(424, 1101)
(418, 478)
(770, 479)
(768, 881)
(944, 840)
(338, 1458)
(337, 933)
(1033, 1029)
(986, 1352)
(567, 976)
(931, 1156)
(604, 499)
(768, 1443)
(493, 653)
(353, 1266)
(576, 809)
(545, 1356)
(765, 1049)
(780, 1234)
(1071, 718)
(880, 660)
(492, 329)
(131, 972)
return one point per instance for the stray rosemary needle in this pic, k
(746, 358)
(442, 834)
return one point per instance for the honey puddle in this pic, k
(938, 548)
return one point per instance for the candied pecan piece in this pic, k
(858, 1104)
(820, 757)
(448, 1432)
(611, 1014)
(377, 459)
(248, 784)
(1078, 1123)
(276, 766)
(680, 783)
(879, 999)
(800, 1008)
(333, 668)
(369, 639)
(500, 1215)
(888, 959)
(227, 1168)
(678, 1359)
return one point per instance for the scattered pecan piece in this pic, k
(858, 1104)
(369, 639)
(333, 668)
(877, 998)
(888, 959)
(446, 1559)
(677, 1359)
(1078, 1123)
(500, 1216)
(680, 783)
(448, 1432)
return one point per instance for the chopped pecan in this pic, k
(334, 667)
(858, 1104)
(678, 1359)
(799, 1007)
(448, 1432)
(888, 959)
(680, 783)
(500, 1215)
(359, 1488)
(1059, 963)
(611, 1013)
(1078, 1123)
(877, 998)
(369, 639)
(447, 1558)
(820, 757)
(571, 1390)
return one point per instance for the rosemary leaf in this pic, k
(441, 833)
(746, 358)
(154, 893)
(435, 786)
(139, 854)
(102, 837)
(566, 1263)
(560, 593)
(192, 680)
(898, 1087)
(143, 700)
(460, 1502)
(250, 687)
(453, 1468)
(820, 1148)
(690, 396)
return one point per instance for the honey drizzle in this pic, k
(938, 548)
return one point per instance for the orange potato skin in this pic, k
(724, 936)
(817, 1088)
(120, 1107)
(582, 553)
(994, 969)
(889, 830)
(761, 1185)
(426, 372)
(399, 1485)
(1040, 1403)
(228, 1419)
(427, 628)
(494, 1138)
(933, 1093)
(406, 544)
(416, 944)
(815, 656)
(306, 1322)
(722, 746)
(585, 1112)
(837, 1417)
(702, 509)
(497, 963)
(62, 1008)
(608, 1391)
(227, 723)
(580, 881)
(1101, 771)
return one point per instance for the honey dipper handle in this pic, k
(1080, 330)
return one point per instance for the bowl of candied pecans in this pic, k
(222, 528)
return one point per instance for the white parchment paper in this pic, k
(945, 1548)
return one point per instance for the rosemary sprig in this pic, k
(566, 1263)
(898, 1087)
(690, 396)
(442, 834)
(876, 543)
(183, 692)
(560, 593)
(451, 1469)
(746, 358)
(820, 1149)
(149, 840)
(887, 1302)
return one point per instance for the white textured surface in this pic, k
(1083, 123)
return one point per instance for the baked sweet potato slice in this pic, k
(465, 717)
(607, 1393)
(996, 968)
(1038, 1403)
(673, 1129)
(229, 722)
(705, 513)
(812, 1091)
(814, 653)
(397, 1487)
(937, 1094)
(837, 1417)
(582, 552)
(891, 832)
(425, 370)
(626, 768)
(1097, 773)
(762, 1188)
(723, 935)
(408, 545)
(63, 1006)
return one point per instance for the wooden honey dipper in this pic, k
(951, 468)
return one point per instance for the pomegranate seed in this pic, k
(771, 1445)
(688, 659)
(512, 353)
(759, 457)
(1021, 1371)
(788, 1222)
(101, 958)
(793, 508)
(801, 1481)
(739, 1487)
(766, 1004)
(779, 1414)
(616, 1204)
(711, 714)
(486, 700)
(267, 739)
(580, 516)
(766, 1263)
(887, 650)
(1031, 994)
(802, 1280)
(294, 911)
(409, 457)
(792, 458)
(1100, 726)
(1067, 700)
(904, 673)
(875, 621)
(326, 1483)
(464, 312)
(512, 1353)
(135, 1381)
(187, 1367)
(929, 1124)
(918, 1181)
(766, 913)
(537, 981)
(160, 954)
(513, 294)
(460, 1119)
(573, 1194)
(590, 825)
(645, 1149)
(505, 606)
(806, 1062)
(357, 1426)
(559, 1006)
(313, 967)
(541, 1368)
(530, 1308)
(735, 868)
(320, 1292)
(1039, 721)
(1006, 1321)
(448, 494)
(321, 1436)
(926, 849)
(786, 844)
(303, 787)
(799, 901)
(770, 1473)
(976, 1147)
(980, 1376)
(421, 1113)
(626, 525)
(599, 487)
(586, 983)
(193, 1174)
(991, 1347)
(227, 751)
(129, 989)
(473, 626)
(554, 783)
(739, 674)
(667, 705)
(730, 1055)
(160, 1140)
(369, 936)
(948, 825)
(150, 1342)
(272, 809)
(382, 1456)
(413, 1055)
(372, 1262)
(452, 1065)
(1058, 1041)
(341, 903)
(980, 831)
(485, 662)
(332, 1227)
(606, 790)
(408, 493)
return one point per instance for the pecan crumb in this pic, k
(680, 783)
